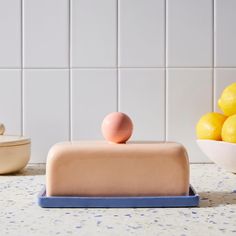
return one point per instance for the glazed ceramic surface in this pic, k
(99, 168)
(117, 127)
(14, 153)
(222, 153)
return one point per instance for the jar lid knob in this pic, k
(2, 129)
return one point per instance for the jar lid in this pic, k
(13, 140)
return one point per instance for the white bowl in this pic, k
(220, 152)
(14, 153)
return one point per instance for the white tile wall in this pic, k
(64, 64)
(94, 33)
(141, 33)
(189, 96)
(10, 100)
(46, 33)
(189, 33)
(10, 39)
(94, 95)
(46, 109)
(225, 19)
(142, 97)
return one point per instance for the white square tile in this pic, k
(10, 101)
(223, 78)
(189, 96)
(94, 95)
(189, 33)
(142, 97)
(141, 33)
(46, 33)
(225, 33)
(10, 28)
(94, 33)
(46, 109)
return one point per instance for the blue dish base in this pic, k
(192, 200)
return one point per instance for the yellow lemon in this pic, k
(229, 130)
(227, 101)
(209, 126)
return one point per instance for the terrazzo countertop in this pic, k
(20, 214)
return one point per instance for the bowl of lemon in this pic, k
(216, 132)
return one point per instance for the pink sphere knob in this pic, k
(117, 127)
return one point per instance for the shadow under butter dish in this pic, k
(14, 153)
(98, 168)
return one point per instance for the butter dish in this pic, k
(100, 174)
(99, 168)
(117, 173)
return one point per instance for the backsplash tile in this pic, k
(10, 100)
(10, 39)
(141, 33)
(189, 33)
(225, 33)
(142, 97)
(46, 109)
(45, 33)
(189, 96)
(94, 33)
(94, 95)
(74, 61)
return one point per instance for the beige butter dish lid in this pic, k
(13, 140)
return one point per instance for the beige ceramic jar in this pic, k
(14, 152)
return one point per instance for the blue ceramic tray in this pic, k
(118, 202)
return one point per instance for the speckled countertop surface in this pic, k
(20, 214)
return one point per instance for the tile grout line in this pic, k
(213, 55)
(165, 70)
(117, 57)
(113, 68)
(69, 60)
(22, 74)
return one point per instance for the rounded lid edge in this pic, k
(13, 140)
